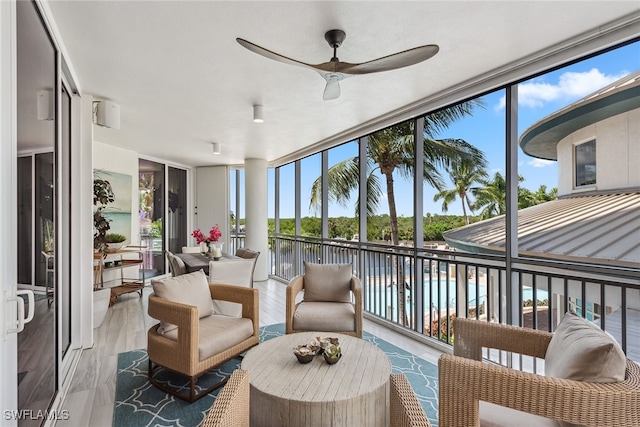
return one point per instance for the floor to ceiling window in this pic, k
(343, 207)
(579, 144)
(236, 201)
(442, 247)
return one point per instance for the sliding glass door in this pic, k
(163, 212)
(38, 257)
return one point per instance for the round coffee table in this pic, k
(285, 392)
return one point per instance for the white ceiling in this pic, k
(183, 82)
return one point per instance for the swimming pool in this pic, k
(379, 301)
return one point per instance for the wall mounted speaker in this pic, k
(108, 114)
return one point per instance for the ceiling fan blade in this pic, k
(272, 55)
(332, 89)
(390, 62)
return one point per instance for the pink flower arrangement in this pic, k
(214, 235)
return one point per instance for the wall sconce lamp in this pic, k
(216, 148)
(257, 114)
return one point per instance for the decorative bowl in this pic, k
(304, 358)
(331, 360)
(304, 353)
(114, 247)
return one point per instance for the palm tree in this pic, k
(463, 174)
(393, 149)
(491, 197)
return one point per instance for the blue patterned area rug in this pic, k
(138, 403)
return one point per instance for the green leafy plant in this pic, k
(114, 238)
(333, 351)
(102, 196)
(156, 228)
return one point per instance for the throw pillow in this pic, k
(327, 282)
(190, 289)
(579, 350)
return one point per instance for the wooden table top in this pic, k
(280, 380)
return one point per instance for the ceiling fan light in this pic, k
(257, 114)
(332, 89)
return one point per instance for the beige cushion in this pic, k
(236, 272)
(190, 289)
(500, 416)
(581, 351)
(325, 316)
(249, 254)
(218, 333)
(327, 282)
(176, 265)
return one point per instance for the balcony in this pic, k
(439, 285)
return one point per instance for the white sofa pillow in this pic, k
(581, 351)
(327, 282)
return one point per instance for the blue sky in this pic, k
(538, 98)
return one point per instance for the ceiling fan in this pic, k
(336, 70)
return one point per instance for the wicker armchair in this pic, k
(182, 355)
(464, 380)
(406, 410)
(324, 315)
(231, 407)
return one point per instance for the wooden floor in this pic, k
(91, 396)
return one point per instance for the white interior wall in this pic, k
(115, 159)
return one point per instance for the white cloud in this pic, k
(571, 86)
(540, 163)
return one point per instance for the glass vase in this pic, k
(216, 249)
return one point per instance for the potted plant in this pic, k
(332, 353)
(114, 241)
(102, 196)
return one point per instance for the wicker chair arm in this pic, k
(171, 311)
(293, 288)
(234, 293)
(231, 407)
(472, 335)
(356, 288)
(183, 315)
(463, 382)
(405, 408)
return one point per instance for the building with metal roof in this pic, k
(596, 218)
